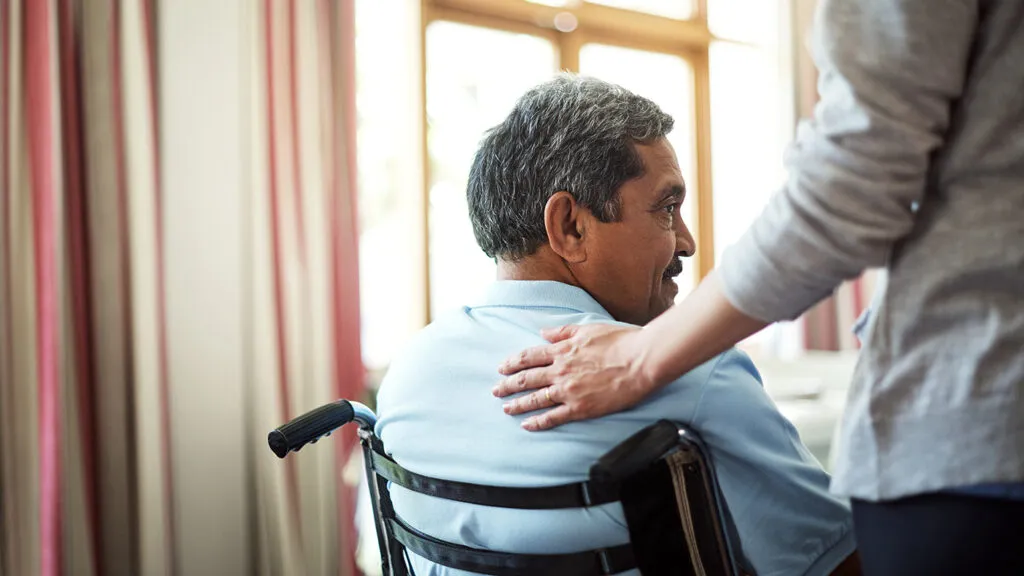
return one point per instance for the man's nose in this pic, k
(685, 245)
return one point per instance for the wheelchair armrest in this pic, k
(668, 462)
(637, 452)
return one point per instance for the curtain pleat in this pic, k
(110, 290)
(80, 487)
(21, 457)
(43, 181)
(6, 325)
(349, 374)
(152, 436)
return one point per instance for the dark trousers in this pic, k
(941, 533)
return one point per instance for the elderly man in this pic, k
(577, 195)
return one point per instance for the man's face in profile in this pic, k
(631, 263)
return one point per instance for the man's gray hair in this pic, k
(572, 133)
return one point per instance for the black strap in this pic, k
(579, 495)
(599, 562)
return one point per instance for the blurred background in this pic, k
(218, 214)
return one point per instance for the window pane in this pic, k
(389, 179)
(754, 21)
(750, 126)
(748, 136)
(680, 9)
(668, 81)
(474, 76)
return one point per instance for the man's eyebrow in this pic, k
(673, 192)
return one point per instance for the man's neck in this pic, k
(542, 265)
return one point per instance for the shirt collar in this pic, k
(541, 294)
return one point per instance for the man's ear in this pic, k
(565, 222)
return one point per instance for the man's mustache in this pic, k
(675, 268)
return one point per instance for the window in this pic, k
(718, 66)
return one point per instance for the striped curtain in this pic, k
(117, 455)
(306, 275)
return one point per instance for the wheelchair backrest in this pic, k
(662, 476)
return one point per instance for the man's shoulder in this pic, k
(472, 339)
(730, 373)
(735, 363)
(430, 345)
(505, 326)
(731, 365)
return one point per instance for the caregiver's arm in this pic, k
(602, 368)
(890, 72)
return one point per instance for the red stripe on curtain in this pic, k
(149, 30)
(345, 533)
(827, 316)
(326, 63)
(349, 248)
(346, 228)
(5, 245)
(343, 226)
(124, 254)
(5, 184)
(810, 338)
(282, 358)
(291, 478)
(78, 246)
(39, 104)
(293, 81)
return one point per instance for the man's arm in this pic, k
(775, 490)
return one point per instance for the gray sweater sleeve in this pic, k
(890, 72)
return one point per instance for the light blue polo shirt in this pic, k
(438, 418)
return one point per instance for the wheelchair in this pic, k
(662, 476)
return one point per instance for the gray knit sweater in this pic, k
(914, 161)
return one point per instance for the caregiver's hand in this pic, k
(586, 372)
(594, 370)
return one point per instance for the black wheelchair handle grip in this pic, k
(310, 427)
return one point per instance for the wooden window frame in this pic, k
(688, 39)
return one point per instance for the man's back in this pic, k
(438, 418)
